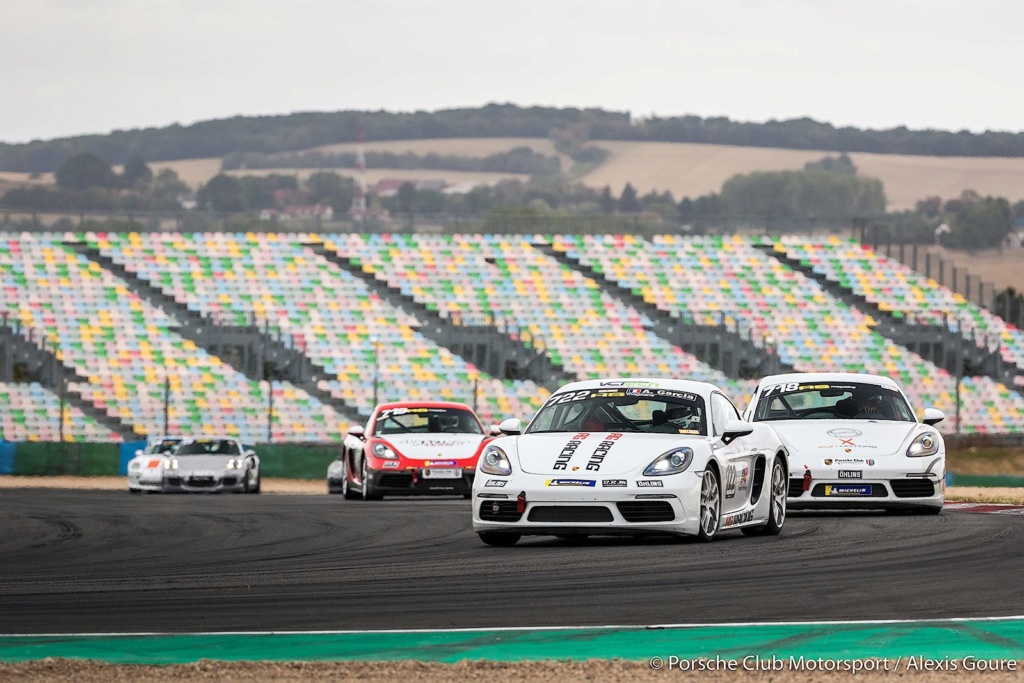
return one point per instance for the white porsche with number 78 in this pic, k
(631, 456)
(854, 441)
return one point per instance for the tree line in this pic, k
(517, 160)
(293, 132)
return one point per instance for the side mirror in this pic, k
(933, 416)
(495, 430)
(511, 426)
(356, 431)
(734, 429)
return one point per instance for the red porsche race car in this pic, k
(410, 448)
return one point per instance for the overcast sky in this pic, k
(89, 66)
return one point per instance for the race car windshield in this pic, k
(426, 421)
(209, 447)
(653, 411)
(831, 401)
(164, 446)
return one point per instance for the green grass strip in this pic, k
(999, 639)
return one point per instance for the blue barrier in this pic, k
(6, 457)
(127, 452)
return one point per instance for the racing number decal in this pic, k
(730, 481)
(562, 461)
(602, 450)
(779, 388)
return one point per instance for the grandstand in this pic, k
(119, 312)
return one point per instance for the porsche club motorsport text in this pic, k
(852, 666)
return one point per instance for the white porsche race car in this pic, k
(146, 469)
(631, 456)
(853, 441)
(212, 465)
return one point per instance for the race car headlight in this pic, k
(235, 464)
(924, 444)
(494, 461)
(381, 450)
(673, 462)
(171, 464)
(135, 465)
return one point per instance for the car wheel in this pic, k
(503, 539)
(135, 491)
(256, 486)
(246, 478)
(368, 493)
(710, 506)
(776, 504)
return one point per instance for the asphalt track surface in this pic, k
(107, 561)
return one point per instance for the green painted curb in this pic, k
(982, 639)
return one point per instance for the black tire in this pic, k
(346, 486)
(501, 539)
(368, 493)
(245, 480)
(259, 481)
(710, 519)
(135, 492)
(776, 504)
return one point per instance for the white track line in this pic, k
(633, 627)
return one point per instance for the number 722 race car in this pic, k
(631, 456)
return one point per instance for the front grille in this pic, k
(796, 488)
(202, 481)
(230, 481)
(877, 490)
(570, 513)
(500, 511)
(394, 480)
(647, 511)
(913, 488)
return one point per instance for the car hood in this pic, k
(435, 446)
(828, 438)
(194, 463)
(596, 453)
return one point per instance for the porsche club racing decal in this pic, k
(869, 462)
(570, 482)
(613, 483)
(568, 450)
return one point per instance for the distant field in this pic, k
(693, 170)
(375, 174)
(684, 168)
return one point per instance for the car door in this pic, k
(736, 457)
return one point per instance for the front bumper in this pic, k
(879, 488)
(141, 480)
(413, 483)
(187, 482)
(613, 505)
